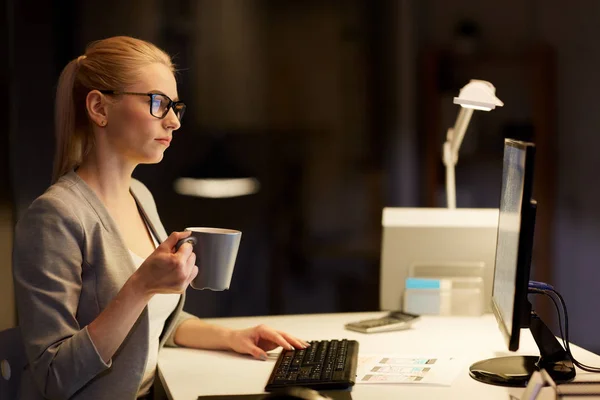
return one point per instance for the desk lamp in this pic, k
(476, 95)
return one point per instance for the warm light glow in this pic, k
(216, 188)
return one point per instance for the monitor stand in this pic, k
(516, 370)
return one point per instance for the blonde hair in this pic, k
(108, 64)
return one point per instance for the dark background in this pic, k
(339, 108)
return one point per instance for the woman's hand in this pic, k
(260, 339)
(167, 270)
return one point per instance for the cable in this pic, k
(577, 363)
(560, 326)
(540, 285)
(552, 293)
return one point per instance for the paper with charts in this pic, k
(407, 369)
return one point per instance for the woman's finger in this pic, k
(297, 343)
(192, 275)
(275, 337)
(191, 266)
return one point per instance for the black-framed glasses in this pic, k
(160, 104)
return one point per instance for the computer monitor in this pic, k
(510, 303)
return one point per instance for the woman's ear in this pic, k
(97, 108)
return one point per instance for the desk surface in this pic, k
(188, 373)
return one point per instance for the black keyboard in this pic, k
(325, 364)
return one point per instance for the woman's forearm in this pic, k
(198, 334)
(113, 324)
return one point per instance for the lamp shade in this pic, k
(478, 95)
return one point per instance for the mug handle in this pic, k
(190, 239)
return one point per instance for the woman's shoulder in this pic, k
(61, 201)
(55, 201)
(60, 196)
(51, 215)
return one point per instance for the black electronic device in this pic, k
(510, 302)
(324, 365)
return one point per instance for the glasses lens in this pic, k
(159, 105)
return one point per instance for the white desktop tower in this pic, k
(433, 240)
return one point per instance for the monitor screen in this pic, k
(514, 197)
(510, 302)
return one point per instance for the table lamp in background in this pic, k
(440, 242)
(475, 95)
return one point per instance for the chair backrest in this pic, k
(12, 362)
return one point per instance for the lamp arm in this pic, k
(454, 138)
(457, 134)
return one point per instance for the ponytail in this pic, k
(71, 139)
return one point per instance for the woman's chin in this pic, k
(155, 159)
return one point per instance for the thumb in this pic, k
(173, 238)
(257, 352)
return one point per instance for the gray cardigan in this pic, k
(69, 262)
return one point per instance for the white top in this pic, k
(159, 309)
(189, 373)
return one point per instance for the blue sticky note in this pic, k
(422, 283)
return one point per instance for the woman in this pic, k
(99, 285)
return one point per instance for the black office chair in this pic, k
(12, 362)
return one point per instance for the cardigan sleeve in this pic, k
(47, 268)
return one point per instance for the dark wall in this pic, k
(5, 100)
(7, 311)
(34, 79)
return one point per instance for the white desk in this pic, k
(187, 373)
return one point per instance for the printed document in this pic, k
(377, 368)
